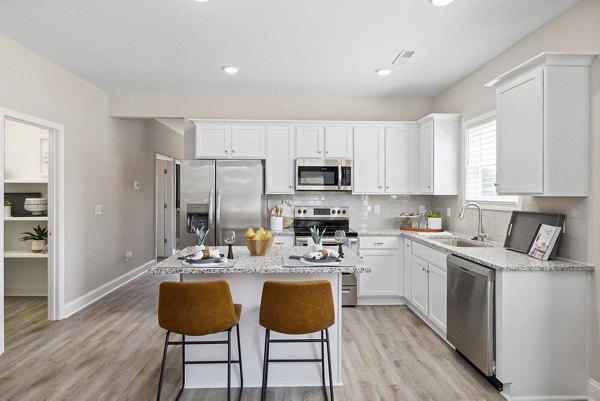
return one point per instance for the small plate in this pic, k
(321, 262)
(207, 264)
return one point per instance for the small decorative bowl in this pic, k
(37, 206)
(259, 247)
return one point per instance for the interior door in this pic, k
(161, 205)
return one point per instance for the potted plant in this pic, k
(38, 238)
(7, 206)
(200, 237)
(434, 220)
(316, 237)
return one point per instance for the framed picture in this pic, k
(44, 160)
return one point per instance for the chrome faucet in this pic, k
(480, 234)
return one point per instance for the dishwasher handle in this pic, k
(470, 267)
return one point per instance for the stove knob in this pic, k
(299, 211)
(305, 211)
(343, 212)
(338, 212)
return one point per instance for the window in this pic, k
(480, 164)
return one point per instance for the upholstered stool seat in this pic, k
(199, 309)
(297, 308)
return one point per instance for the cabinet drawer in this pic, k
(379, 242)
(287, 240)
(430, 255)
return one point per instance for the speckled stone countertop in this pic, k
(271, 263)
(493, 256)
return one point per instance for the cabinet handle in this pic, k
(319, 152)
(380, 186)
(233, 151)
(495, 184)
(378, 243)
(327, 152)
(291, 187)
(226, 150)
(387, 187)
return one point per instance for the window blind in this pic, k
(480, 174)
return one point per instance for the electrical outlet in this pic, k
(137, 185)
(128, 256)
(448, 212)
(421, 209)
(98, 210)
(369, 208)
(377, 209)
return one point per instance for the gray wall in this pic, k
(576, 31)
(103, 156)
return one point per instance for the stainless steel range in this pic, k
(330, 219)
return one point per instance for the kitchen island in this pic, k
(246, 275)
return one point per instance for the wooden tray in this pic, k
(423, 230)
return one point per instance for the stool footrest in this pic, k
(307, 340)
(207, 362)
(196, 342)
(295, 360)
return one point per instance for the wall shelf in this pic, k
(24, 255)
(19, 181)
(28, 218)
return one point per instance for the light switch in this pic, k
(377, 209)
(448, 212)
(98, 210)
(137, 185)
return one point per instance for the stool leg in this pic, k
(182, 368)
(237, 329)
(263, 393)
(162, 366)
(229, 365)
(329, 363)
(323, 363)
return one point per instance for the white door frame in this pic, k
(56, 219)
(170, 202)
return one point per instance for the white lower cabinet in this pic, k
(386, 279)
(428, 284)
(287, 240)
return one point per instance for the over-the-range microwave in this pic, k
(323, 175)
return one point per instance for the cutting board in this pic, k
(523, 227)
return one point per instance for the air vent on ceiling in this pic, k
(403, 57)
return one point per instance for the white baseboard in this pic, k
(546, 398)
(26, 291)
(94, 295)
(593, 390)
(370, 301)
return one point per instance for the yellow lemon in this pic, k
(249, 233)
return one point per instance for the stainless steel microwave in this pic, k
(323, 175)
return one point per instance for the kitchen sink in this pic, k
(461, 243)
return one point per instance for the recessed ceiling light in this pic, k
(231, 69)
(382, 72)
(440, 3)
(201, 1)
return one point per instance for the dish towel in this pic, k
(322, 254)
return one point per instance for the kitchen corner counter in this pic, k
(273, 262)
(498, 258)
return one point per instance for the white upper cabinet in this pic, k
(213, 141)
(334, 142)
(279, 166)
(542, 109)
(248, 141)
(338, 142)
(230, 141)
(368, 166)
(439, 140)
(399, 160)
(310, 142)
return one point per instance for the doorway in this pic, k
(165, 206)
(32, 172)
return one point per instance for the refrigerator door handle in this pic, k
(218, 232)
(211, 209)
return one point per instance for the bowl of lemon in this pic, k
(258, 242)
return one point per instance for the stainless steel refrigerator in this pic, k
(220, 195)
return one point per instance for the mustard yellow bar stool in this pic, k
(302, 307)
(198, 309)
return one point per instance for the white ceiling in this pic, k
(283, 47)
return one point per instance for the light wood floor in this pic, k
(112, 351)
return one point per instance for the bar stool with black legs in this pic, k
(302, 307)
(198, 309)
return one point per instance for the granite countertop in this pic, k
(273, 262)
(493, 256)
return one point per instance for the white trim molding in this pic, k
(593, 390)
(94, 295)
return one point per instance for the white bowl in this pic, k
(37, 206)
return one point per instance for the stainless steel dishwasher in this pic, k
(470, 325)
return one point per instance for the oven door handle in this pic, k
(340, 176)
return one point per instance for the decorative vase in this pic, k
(7, 211)
(38, 245)
(198, 248)
(434, 223)
(316, 247)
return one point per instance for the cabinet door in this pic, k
(520, 151)
(279, 166)
(407, 269)
(248, 142)
(399, 161)
(383, 279)
(437, 296)
(368, 163)
(338, 142)
(286, 240)
(426, 158)
(213, 141)
(309, 142)
(419, 286)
